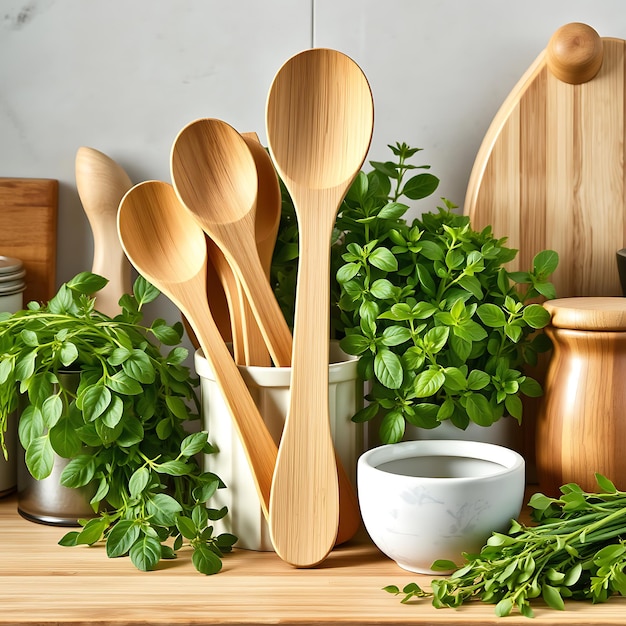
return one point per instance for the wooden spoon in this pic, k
(319, 124)
(101, 184)
(267, 220)
(215, 177)
(166, 245)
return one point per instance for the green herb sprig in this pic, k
(123, 429)
(442, 330)
(577, 550)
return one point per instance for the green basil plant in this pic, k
(441, 327)
(124, 430)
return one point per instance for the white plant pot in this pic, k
(269, 387)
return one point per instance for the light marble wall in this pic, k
(123, 76)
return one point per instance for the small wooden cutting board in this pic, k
(550, 173)
(28, 231)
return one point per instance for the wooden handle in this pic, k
(574, 53)
(101, 184)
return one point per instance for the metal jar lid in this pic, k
(10, 265)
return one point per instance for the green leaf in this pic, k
(68, 353)
(205, 560)
(40, 457)
(395, 336)
(428, 383)
(347, 272)
(91, 532)
(176, 405)
(479, 410)
(383, 259)
(192, 444)
(504, 607)
(478, 380)
(145, 553)
(432, 251)
(173, 468)
(122, 536)
(87, 283)
(51, 410)
(388, 368)
(393, 211)
(163, 509)
(513, 406)
(139, 367)
(545, 263)
(392, 427)
(491, 315)
(354, 344)
(113, 413)
(25, 366)
(144, 292)
(536, 316)
(186, 527)
(138, 481)
(165, 334)
(382, 289)
(79, 471)
(64, 439)
(94, 401)
(123, 384)
(420, 186)
(29, 338)
(552, 597)
(531, 388)
(605, 484)
(435, 339)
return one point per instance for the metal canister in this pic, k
(12, 285)
(47, 501)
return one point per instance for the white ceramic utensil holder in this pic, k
(269, 387)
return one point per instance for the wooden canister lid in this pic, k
(588, 313)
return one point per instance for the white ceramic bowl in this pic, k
(428, 500)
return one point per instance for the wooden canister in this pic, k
(581, 427)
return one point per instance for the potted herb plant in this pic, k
(442, 329)
(123, 429)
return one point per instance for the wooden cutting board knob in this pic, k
(574, 53)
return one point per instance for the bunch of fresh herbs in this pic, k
(123, 429)
(576, 550)
(442, 329)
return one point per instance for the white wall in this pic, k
(123, 76)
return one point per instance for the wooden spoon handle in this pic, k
(304, 502)
(258, 445)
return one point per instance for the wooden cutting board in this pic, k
(550, 173)
(28, 231)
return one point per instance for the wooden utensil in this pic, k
(166, 245)
(267, 220)
(214, 176)
(101, 184)
(248, 343)
(28, 231)
(319, 124)
(550, 171)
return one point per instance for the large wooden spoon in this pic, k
(319, 125)
(215, 177)
(101, 184)
(166, 246)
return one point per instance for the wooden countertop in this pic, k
(43, 583)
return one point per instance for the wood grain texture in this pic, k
(28, 231)
(214, 175)
(42, 583)
(319, 119)
(550, 174)
(101, 184)
(581, 428)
